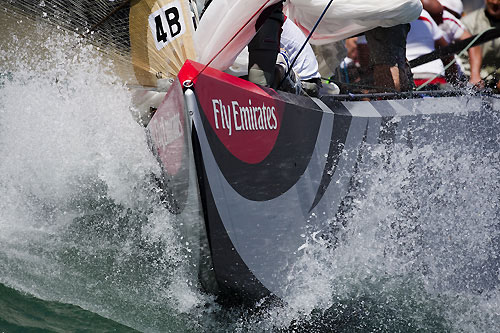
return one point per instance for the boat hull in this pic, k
(275, 168)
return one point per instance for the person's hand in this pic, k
(498, 86)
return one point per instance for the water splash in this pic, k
(417, 249)
(80, 214)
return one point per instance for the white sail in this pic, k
(226, 28)
(228, 25)
(346, 18)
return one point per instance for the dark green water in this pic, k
(23, 313)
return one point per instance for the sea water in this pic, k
(86, 243)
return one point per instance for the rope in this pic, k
(104, 19)
(455, 59)
(396, 95)
(355, 85)
(305, 43)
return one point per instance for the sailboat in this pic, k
(252, 171)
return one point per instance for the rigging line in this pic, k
(456, 47)
(397, 95)
(104, 19)
(355, 85)
(232, 38)
(307, 41)
(454, 59)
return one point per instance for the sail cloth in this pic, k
(347, 18)
(144, 39)
(104, 24)
(229, 25)
(161, 38)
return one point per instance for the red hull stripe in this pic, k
(438, 80)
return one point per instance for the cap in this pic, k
(455, 5)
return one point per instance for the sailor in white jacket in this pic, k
(422, 39)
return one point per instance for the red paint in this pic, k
(438, 80)
(422, 18)
(167, 130)
(190, 71)
(245, 118)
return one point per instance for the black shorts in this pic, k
(388, 45)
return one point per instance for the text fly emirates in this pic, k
(247, 118)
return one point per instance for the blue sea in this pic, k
(86, 244)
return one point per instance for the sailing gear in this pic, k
(347, 18)
(312, 87)
(263, 49)
(291, 82)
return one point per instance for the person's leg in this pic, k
(264, 47)
(388, 57)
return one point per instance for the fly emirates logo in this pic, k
(236, 117)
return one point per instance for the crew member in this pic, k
(454, 29)
(476, 22)
(435, 10)
(263, 49)
(423, 38)
(388, 57)
(306, 64)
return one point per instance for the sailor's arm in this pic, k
(435, 9)
(475, 61)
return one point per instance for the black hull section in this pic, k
(273, 167)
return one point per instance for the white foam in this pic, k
(79, 218)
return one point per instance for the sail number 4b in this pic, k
(167, 24)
